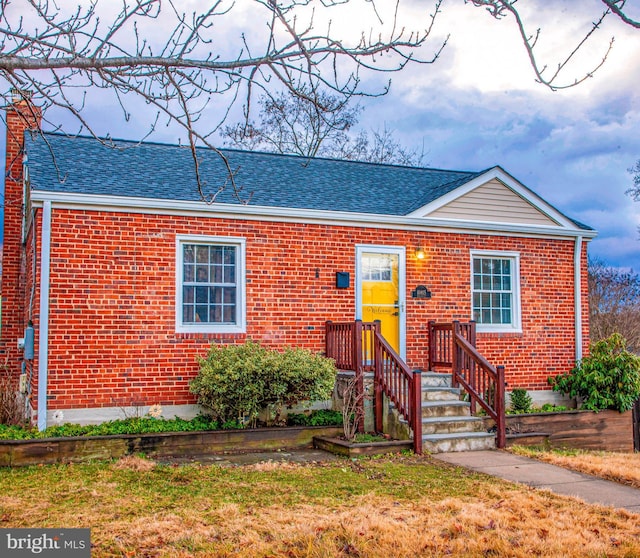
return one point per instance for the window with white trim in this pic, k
(495, 291)
(210, 285)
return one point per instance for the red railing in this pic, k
(441, 343)
(401, 385)
(360, 347)
(452, 346)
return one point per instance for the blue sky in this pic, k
(479, 106)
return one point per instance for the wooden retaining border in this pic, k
(19, 453)
(588, 430)
(354, 449)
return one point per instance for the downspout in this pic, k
(43, 344)
(577, 286)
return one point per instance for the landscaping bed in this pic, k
(604, 430)
(16, 453)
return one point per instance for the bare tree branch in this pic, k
(183, 63)
(501, 9)
(617, 7)
(614, 303)
(63, 56)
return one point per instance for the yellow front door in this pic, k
(379, 283)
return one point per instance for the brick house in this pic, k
(128, 276)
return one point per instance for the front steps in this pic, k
(447, 424)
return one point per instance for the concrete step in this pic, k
(440, 393)
(453, 408)
(459, 441)
(444, 425)
(435, 379)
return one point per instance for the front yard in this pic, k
(400, 506)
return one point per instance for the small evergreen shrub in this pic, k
(321, 417)
(520, 401)
(133, 425)
(236, 382)
(551, 408)
(609, 378)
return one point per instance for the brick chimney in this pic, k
(21, 115)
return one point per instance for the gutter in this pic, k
(43, 341)
(577, 285)
(92, 202)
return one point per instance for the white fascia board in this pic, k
(509, 182)
(123, 204)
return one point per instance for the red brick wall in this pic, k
(112, 338)
(19, 117)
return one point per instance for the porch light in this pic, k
(420, 253)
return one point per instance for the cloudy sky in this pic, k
(479, 106)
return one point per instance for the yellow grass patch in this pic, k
(392, 508)
(134, 463)
(520, 525)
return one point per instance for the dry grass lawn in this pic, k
(404, 506)
(619, 467)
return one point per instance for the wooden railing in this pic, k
(360, 347)
(452, 346)
(401, 385)
(441, 343)
(350, 344)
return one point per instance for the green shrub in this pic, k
(134, 425)
(321, 417)
(551, 408)
(237, 381)
(520, 401)
(609, 378)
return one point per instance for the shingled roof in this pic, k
(82, 165)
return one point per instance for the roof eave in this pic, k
(253, 212)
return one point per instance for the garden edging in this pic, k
(355, 449)
(17, 453)
(603, 430)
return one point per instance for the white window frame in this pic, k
(241, 285)
(516, 314)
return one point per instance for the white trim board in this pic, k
(121, 204)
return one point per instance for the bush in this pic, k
(551, 408)
(321, 417)
(12, 409)
(133, 425)
(607, 379)
(236, 382)
(520, 401)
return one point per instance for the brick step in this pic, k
(458, 441)
(444, 425)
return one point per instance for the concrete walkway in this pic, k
(534, 473)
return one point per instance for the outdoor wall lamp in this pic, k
(420, 253)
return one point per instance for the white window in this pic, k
(377, 267)
(495, 291)
(210, 285)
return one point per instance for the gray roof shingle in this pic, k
(153, 170)
(83, 165)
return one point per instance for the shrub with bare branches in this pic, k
(12, 410)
